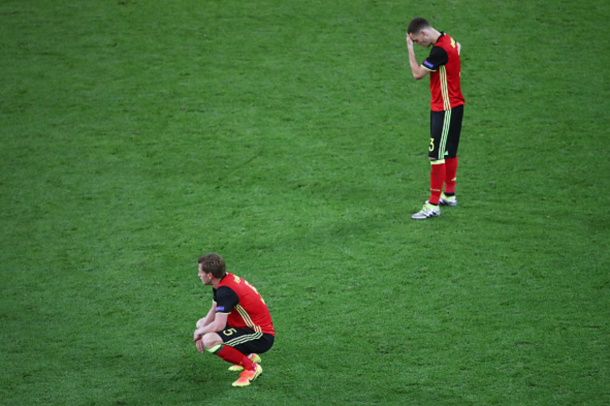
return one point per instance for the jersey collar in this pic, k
(439, 38)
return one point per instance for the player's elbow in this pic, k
(218, 325)
(418, 76)
(220, 322)
(419, 73)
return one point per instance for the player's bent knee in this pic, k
(211, 341)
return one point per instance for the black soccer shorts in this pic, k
(246, 340)
(445, 129)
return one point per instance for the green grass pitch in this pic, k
(290, 137)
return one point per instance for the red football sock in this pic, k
(437, 178)
(450, 173)
(233, 356)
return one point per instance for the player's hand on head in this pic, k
(409, 41)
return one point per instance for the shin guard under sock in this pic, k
(437, 178)
(450, 175)
(233, 356)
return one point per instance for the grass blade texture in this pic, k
(290, 137)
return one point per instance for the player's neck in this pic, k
(434, 36)
(216, 281)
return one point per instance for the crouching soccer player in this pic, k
(238, 326)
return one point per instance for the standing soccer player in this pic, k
(238, 326)
(447, 105)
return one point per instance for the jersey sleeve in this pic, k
(437, 58)
(226, 299)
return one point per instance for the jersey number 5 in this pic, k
(229, 332)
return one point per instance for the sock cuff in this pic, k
(217, 349)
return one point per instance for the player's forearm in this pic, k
(204, 321)
(212, 327)
(418, 71)
(208, 318)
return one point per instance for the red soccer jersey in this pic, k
(444, 65)
(245, 305)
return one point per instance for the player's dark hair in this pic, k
(214, 264)
(417, 24)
